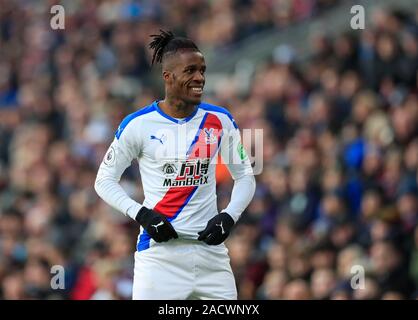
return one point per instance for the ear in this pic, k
(167, 76)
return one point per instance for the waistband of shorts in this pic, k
(183, 242)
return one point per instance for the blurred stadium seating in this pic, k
(339, 186)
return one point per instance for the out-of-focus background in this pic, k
(339, 110)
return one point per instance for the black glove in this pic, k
(217, 229)
(156, 225)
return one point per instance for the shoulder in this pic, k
(221, 111)
(134, 117)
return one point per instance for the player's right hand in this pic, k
(157, 226)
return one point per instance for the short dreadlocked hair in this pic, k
(167, 43)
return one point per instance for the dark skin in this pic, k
(184, 78)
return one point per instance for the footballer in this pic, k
(180, 251)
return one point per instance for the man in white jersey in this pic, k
(180, 250)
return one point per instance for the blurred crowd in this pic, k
(338, 195)
(338, 198)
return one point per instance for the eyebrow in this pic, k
(194, 66)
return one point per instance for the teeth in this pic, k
(198, 90)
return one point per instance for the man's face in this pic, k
(186, 76)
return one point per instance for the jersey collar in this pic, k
(178, 121)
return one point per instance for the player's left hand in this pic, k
(217, 229)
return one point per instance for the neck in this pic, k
(176, 108)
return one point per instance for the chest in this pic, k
(196, 139)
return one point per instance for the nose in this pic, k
(199, 78)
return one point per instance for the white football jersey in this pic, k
(177, 162)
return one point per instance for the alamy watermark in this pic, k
(357, 21)
(57, 21)
(58, 278)
(358, 277)
(192, 154)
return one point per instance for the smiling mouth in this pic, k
(198, 90)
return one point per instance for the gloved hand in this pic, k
(156, 225)
(217, 229)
